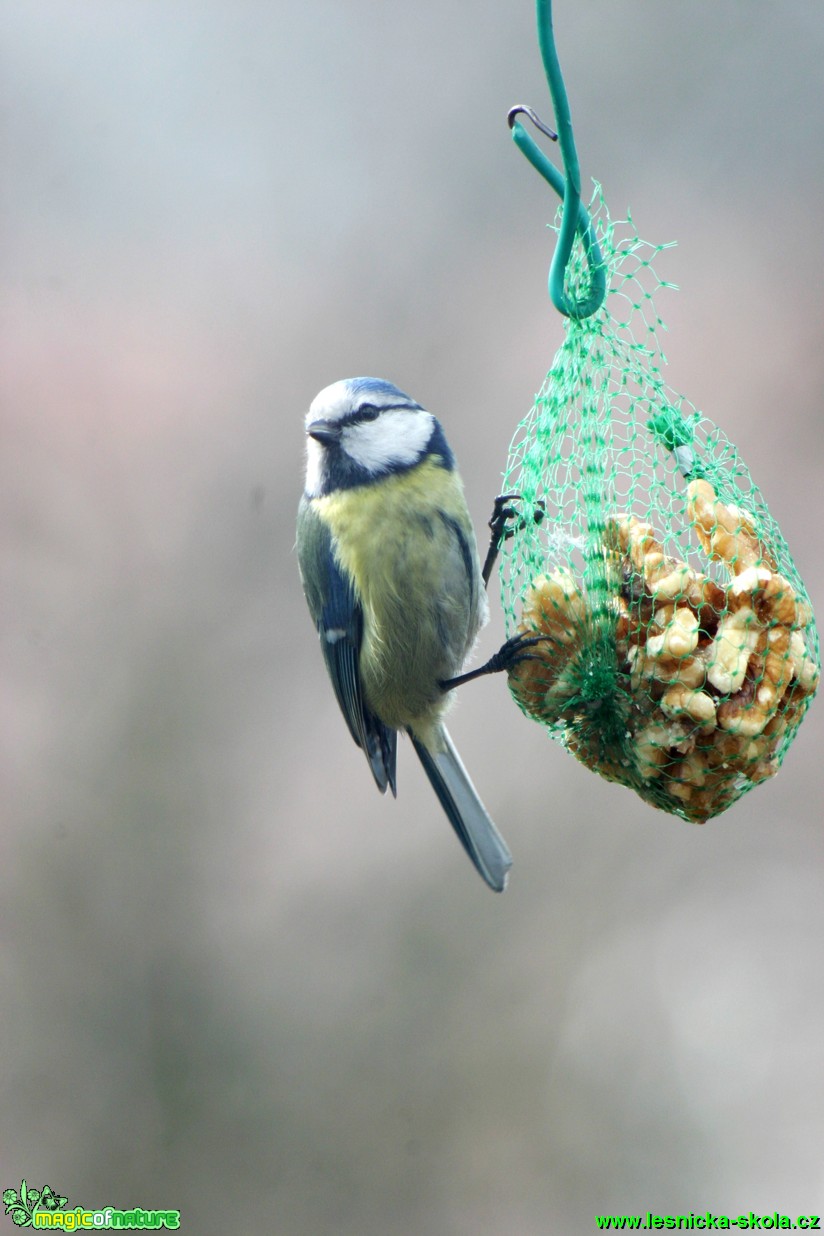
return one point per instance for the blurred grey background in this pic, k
(236, 981)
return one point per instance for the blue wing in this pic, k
(340, 627)
(339, 620)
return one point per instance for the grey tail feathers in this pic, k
(467, 814)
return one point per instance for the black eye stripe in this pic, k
(366, 412)
(369, 412)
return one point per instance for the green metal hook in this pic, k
(575, 218)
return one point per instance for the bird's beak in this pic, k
(326, 432)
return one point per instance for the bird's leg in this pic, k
(501, 514)
(516, 647)
(506, 658)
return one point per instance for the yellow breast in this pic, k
(377, 528)
(396, 541)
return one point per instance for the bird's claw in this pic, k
(502, 514)
(515, 650)
(510, 654)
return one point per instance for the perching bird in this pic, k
(390, 568)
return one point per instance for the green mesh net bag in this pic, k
(678, 651)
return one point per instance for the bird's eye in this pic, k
(368, 412)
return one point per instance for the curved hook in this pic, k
(575, 217)
(589, 304)
(513, 112)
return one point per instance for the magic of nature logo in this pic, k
(44, 1208)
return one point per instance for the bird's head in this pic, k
(361, 429)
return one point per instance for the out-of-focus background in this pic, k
(235, 981)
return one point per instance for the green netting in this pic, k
(679, 651)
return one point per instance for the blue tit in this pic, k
(391, 573)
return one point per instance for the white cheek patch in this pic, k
(397, 439)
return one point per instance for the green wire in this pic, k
(575, 218)
(586, 307)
